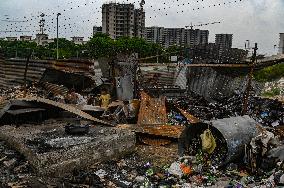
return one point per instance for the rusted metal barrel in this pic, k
(233, 133)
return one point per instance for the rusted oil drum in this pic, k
(231, 135)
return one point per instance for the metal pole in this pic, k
(247, 92)
(25, 73)
(57, 54)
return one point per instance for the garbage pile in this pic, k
(186, 172)
(176, 118)
(267, 112)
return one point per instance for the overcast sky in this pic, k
(255, 20)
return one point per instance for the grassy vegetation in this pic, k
(272, 93)
(270, 73)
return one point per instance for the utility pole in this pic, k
(57, 54)
(247, 92)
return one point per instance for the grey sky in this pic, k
(257, 20)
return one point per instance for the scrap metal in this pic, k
(152, 120)
(152, 110)
(12, 70)
(55, 89)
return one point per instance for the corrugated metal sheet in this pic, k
(55, 89)
(166, 75)
(12, 70)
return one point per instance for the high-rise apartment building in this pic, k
(224, 41)
(281, 43)
(176, 36)
(120, 20)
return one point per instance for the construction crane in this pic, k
(198, 25)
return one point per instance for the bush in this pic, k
(270, 73)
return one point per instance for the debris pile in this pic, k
(207, 147)
(267, 112)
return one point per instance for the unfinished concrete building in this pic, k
(123, 20)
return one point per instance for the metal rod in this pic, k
(247, 92)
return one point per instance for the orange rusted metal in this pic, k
(152, 110)
(152, 121)
(188, 116)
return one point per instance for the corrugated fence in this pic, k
(12, 70)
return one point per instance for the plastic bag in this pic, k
(208, 141)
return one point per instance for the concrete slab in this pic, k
(53, 153)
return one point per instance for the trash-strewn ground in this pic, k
(148, 167)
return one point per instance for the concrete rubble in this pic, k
(53, 153)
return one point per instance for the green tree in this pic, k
(101, 45)
(66, 48)
(19, 49)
